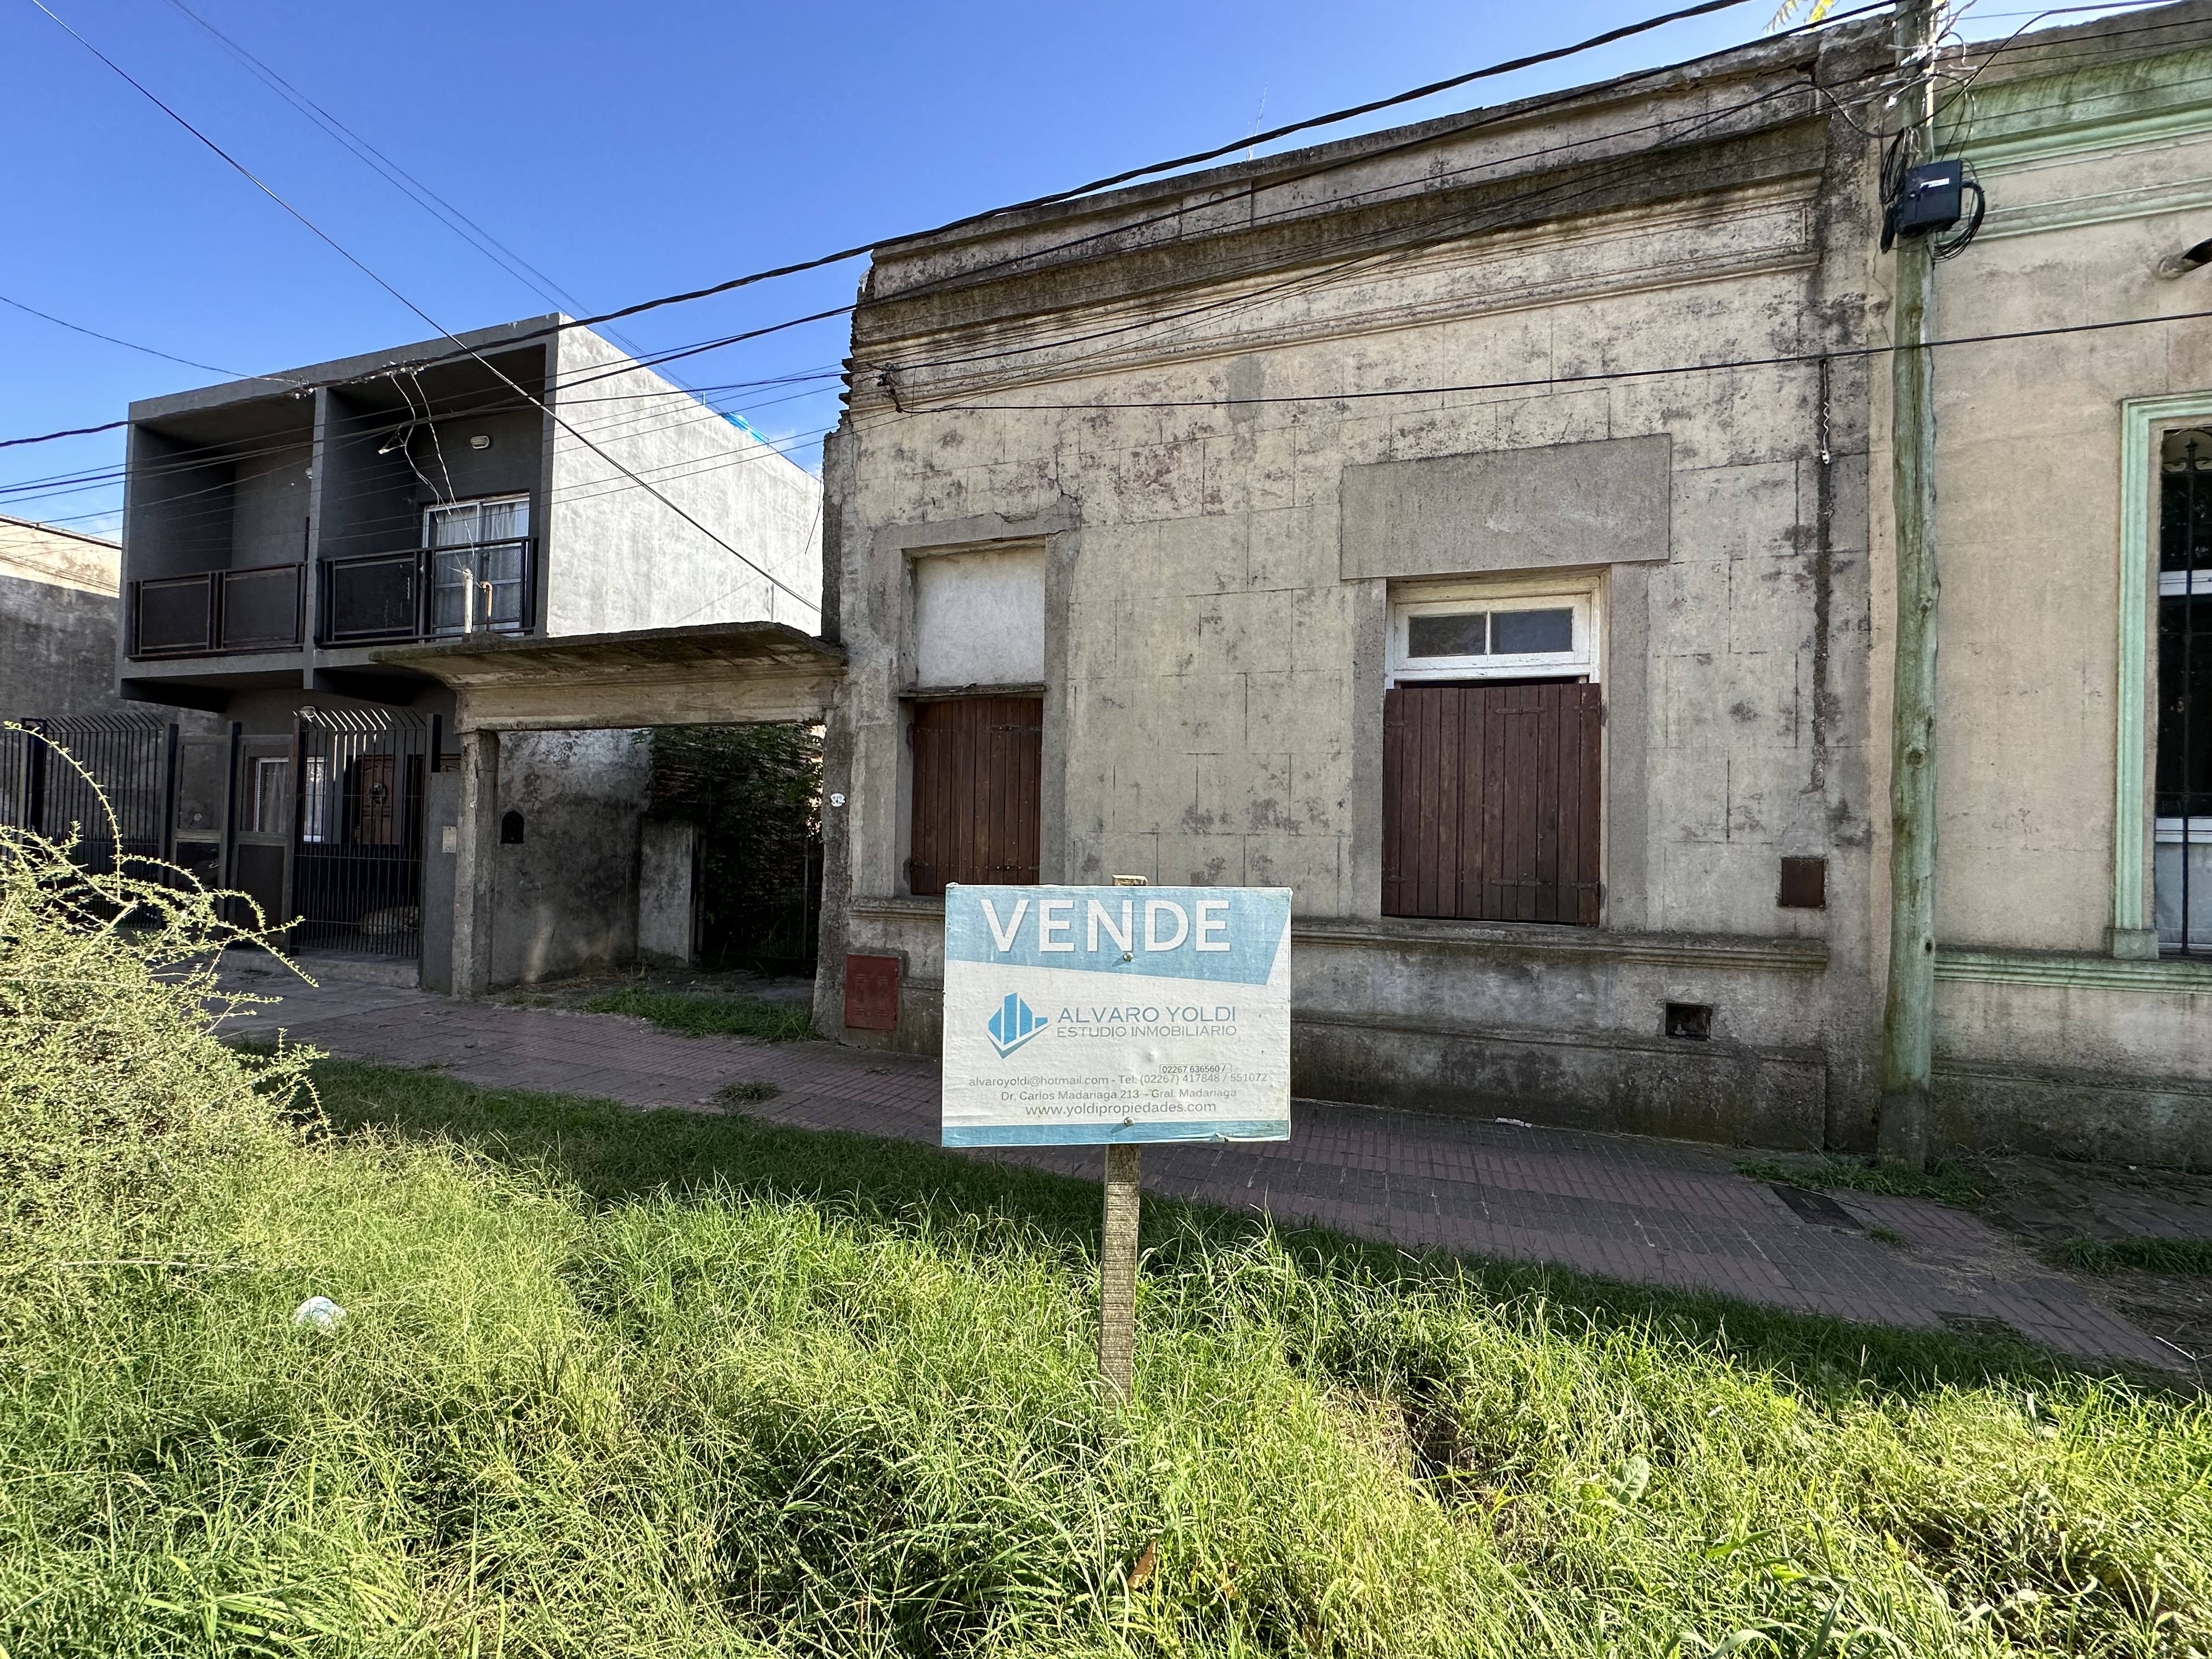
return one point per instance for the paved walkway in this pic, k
(1652, 1211)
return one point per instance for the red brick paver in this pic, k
(1650, 1211)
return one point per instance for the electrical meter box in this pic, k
(1931, 198)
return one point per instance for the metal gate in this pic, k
(357, 841)
(130, 759)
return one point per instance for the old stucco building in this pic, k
(1481, 528)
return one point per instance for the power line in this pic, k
(654, 359)
(1333, 118)
(324, 236)
(406, 182)
(128, 345)
(1518, 112)
(1787, 360)
(67, 432)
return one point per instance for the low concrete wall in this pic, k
(667, 906)
(2058, 1112)
(566, 898)
(2072, 1055)
(441, 817)
(1555, 1025)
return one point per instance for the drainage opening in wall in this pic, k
(1693, 1021)
(510, 830)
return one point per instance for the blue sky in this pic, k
(623, 152)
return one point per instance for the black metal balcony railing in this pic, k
(213, 613)
(429, 593)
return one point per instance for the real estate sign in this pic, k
(1088, 1015)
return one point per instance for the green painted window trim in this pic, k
(2140, 418)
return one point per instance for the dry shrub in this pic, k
(111, 1076)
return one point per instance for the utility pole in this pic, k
(1909, 1011)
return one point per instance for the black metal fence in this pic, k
(131, 760)
(357, 850)
(217, 613)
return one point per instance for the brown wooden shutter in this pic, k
(978, 765)
(1490, 802)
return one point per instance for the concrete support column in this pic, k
(474, 869)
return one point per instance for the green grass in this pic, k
(622, 1383)
(741, 1095)
(708, 1013)
(2153, 1255)
(1947, 1180)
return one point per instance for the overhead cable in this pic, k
(1786, 360)
(650, 359)
(335, 247)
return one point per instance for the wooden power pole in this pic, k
(1909, 1011)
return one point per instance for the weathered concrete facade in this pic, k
(57, 621)
(2059, 1024)
(1618, 351)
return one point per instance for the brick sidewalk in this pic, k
(1651, 1211)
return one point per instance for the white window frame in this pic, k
(478, 503)
(1581, 597)
(470, 583)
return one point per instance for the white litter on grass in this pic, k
(1517, 1123)
(320, 1311)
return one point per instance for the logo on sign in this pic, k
(1015, 1024)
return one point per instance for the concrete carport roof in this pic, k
(715, 674)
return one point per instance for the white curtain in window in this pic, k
(502, 520)
(453, 527)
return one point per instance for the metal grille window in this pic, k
(978, 762)
(2181, 871)
(478, 564)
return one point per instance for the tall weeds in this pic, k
(111, 1076)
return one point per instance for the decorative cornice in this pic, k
(1593, 245)
(1658, 1048)
(2036, 145)
(2068, 972)
(2102, 208)
(1536, 942)
(893, 907)
(2085, 109)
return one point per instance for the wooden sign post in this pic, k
(1117, 1269)
(1074, 1019)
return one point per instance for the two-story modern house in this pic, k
(527, 480)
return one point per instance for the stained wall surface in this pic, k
(57, 621)
(624, 555)
(1217, 597)
(1245, 413)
